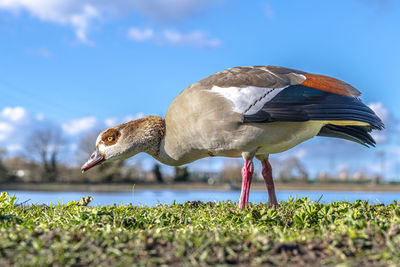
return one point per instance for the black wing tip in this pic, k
(358, 134)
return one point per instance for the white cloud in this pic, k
(77, 14)
(131, 117)
(139, 35)
(14, 148)
(80, 14)
(13, 122)
(79, 125)
(380, 110)
(172, 37)
(5, 130)
(301, 153)
(379, 137)
(40, 116)
(5, 127)
(110, 122)
(171, 10)
(13, 114)
(195, 38)
(387, 118)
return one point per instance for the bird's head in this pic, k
(126, 140)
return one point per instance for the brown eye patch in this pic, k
(110, 137)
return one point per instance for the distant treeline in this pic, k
(18, 169)
(21, 169)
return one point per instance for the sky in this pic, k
(85, 65)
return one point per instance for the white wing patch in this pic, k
(247, 100)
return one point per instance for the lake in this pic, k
(154, 197)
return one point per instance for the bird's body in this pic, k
(212, 126)
(248, 112)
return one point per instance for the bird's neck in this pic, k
(155, 142)
(152, 131)
(172, 150)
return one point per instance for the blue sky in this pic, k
(86, 64)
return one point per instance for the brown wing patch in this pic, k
(258, 76)
(330, 85)
(283, 70)
(110, 137)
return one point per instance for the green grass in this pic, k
(300, 232)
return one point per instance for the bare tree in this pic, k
(86, 146)
(293, 169)
(231, 171)
(44, 146)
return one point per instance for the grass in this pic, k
(301, 232)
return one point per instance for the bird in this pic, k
(248, 112)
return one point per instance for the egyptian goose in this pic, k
(244, 112)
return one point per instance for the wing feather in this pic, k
(301, 103)
(329, 84)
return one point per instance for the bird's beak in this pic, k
(95, 159)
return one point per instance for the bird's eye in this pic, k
(110, 138)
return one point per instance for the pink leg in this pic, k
(269, 182)
(247, 174)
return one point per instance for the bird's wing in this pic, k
(270, 94)
(302, 103)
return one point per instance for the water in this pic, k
(153, 197)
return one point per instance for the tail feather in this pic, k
(358, 134)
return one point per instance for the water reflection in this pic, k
(153, 197)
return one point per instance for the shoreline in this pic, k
(195, 186)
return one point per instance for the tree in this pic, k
(86, 146)
(232, 171)
(4, 174)
(293, 169)
(157, 173)
(181, 174)
(44, 145)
